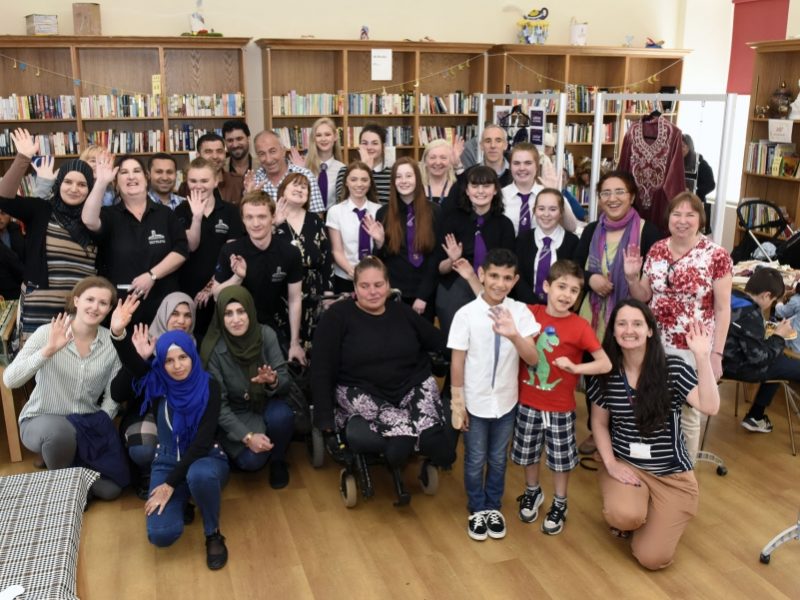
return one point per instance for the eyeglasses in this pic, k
(619, 193)
(670, 268)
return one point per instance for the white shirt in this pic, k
(491, 387)
(342, 218)
(512, 202)
(334, 166)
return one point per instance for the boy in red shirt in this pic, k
(546, 415)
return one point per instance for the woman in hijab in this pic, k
(186, 401)
(247, 361)
(59, 250)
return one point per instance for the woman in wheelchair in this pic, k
(371, 378)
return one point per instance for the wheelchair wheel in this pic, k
(429, 478)
(347, 486)
(316, 448)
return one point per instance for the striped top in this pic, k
(67, 261)
(668, 453)
(66, 383)
(382, 180)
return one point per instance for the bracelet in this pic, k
(152, 275)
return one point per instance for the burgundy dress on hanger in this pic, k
(651, 152)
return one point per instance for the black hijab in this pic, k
(69, 217)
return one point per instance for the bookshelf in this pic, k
(429, 95)
(101, 90)
(763, 176)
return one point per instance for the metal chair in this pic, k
(788, 534)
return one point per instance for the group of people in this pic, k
(208, 297)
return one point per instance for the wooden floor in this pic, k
(301, 542)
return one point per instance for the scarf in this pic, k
(159, 325)
(246, 349)
(69, 217)
(187, 399)
(631, 222)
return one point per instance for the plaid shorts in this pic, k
(534, 428)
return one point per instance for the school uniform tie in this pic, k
(322, 180)
(363, 236)
(524, 213)
(414, 257)
(479, 255)
(542, 266)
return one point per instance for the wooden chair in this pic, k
(8, 317)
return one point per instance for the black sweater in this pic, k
(526, 255)
(384, 355)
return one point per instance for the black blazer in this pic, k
(526, 255)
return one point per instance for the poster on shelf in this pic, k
(381, 64)
(780, 130)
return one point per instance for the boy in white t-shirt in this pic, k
(488, 337)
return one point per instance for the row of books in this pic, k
(120, 105)
(580, 192)
(184, 138)
(772, 158)
(37, 106)
(126, 142)
(758, 215)
(380, 104)
(428, 134)
(299, 137)
(308, 104)
(581, 133)
(457, 103)
(582, 99)
(209, 105)
(59, 143)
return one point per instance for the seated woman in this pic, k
(188, 462)
(176, 313)
(371, 375)
(646, 476)
(246, 360)
(74, 363)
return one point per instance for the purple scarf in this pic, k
(631, 222)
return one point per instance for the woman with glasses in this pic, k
(686, 278)
(619, 226)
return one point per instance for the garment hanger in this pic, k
(652, 118)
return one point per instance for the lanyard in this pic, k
(628, 390)
(441, 198)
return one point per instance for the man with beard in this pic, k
(163, 172)
(237, 142)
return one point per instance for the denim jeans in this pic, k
(782, 367)
(204, 481)
(279, 420)
(486, 446)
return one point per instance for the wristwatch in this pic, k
(152, 275)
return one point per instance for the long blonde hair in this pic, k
(312, 157)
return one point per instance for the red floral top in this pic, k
(683, 289)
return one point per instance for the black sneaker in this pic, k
(216, 552)
(553, 523)
(477, 526)
(529, 504)
(496, 524)
(762, 425)
(278, 474)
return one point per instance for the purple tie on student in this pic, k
(364, 244)
(322, 180)
(542, 267)
(479, 255)
(524, 213)
(415, 258)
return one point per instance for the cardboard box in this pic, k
(41, 24)
(86, 18)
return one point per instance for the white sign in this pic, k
(780, 130)
(381, 64)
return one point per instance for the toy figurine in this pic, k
(364, 32)
(651, 43)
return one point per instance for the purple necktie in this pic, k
(479, 255)
(542, 267)
(322, 180)
(415, 258)
(363, 236)
(524, 213)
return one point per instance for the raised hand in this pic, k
(502, 321)
(24, 142)
(281, 212)
(457, 150)
(203, 296)
(296, 158)
(452, 247)
(60, 334)
(374, 228)
(105, 171)
(249, 183)
(121, 317)
(196, 202)
(632, 264)
(549, 176)
(698, 340)
(44, 167)
(144, 343)
(365, 157)
(239, 266)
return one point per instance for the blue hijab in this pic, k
(187, 399)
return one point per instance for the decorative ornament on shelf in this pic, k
(761, 112)
(197, 23)
(628, 41)
(578, 32)
(779, 102)
(364, 35)
(651, 43)
(795, 112)
(533, 27)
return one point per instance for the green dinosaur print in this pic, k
(547, 340)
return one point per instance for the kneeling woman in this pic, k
(188, 462)
(247, 361)
(646, 479)
(371, 374)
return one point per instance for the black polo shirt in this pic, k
(216, 229)
(269, 273)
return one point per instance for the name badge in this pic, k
(640, 450)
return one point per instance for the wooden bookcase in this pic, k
(775, 61)
(343, 68)
(81, 67)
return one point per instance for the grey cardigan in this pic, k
(237, 417)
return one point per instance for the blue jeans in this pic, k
(486, 445)
(279, 421)
(204, 481)
(782, 368)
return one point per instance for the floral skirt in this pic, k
(420, 409)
